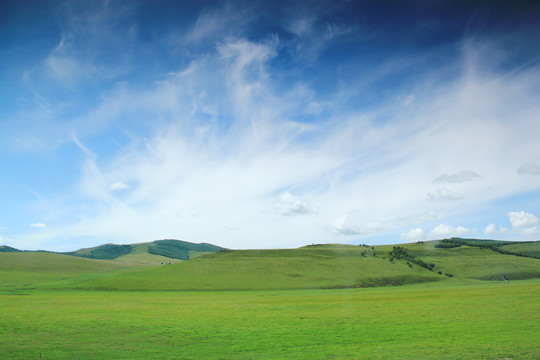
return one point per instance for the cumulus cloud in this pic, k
(445, 231)
(524, 223)
(462, 176)
(490, 229)
(443, 194)
(38, 225)
(119, 186)
(341, 226)
(522, 219)
(288, 204)
(532, 168)
(352, 224)
(413, 235)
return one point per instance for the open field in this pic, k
(316, 302)
(443, 320)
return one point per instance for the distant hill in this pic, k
(323, 266)
(173, 249)
(328, 266)
(4, 248)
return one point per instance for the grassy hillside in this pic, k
(310, 267)
(529, 249)
(474, 262)
(30, 268)
(322, 266)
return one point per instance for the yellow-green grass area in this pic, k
(324, 266)
(443, 320)
(30, 268)
(476, 263)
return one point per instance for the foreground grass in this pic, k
(443, 320)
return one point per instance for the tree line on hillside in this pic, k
(493, 245)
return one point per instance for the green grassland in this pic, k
(32, 268)
(444, 320)
(467, 301)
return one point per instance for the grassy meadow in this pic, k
(315, 302)
(447, 320)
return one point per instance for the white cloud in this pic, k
(38, 225)
(530, 231)
(532, 168)
(490, 229)
(462, 176)
(524, 223)
(119, 186)
(341, 226)
(353, 224)
(288, 204)
(445, 231)
(522, 219)
(430, 216)
(413, 235)
(409, 100)
(443, 194)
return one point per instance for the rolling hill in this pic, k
(173, 249)
(27, 268)
(127, 267)
(325, 266)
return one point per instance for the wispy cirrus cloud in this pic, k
(459, 177)
(529, 168)
(442, 194)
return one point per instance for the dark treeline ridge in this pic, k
(486, 244)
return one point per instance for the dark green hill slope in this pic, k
(102, 252)
(182, 250)
(174, 249)
(4, 248)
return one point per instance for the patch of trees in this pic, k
(402, 253)
(370, 250)
(447, 244)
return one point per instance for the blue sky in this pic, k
(263, 124)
